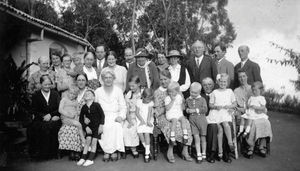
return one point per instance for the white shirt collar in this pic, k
(46, 95)
(162, 89)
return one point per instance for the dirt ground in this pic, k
(285, 155)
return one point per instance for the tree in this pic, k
(176, 24)
(294, 61)
(90, 19)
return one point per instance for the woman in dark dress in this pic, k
(43, 141)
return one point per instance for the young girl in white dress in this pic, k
(256, 103)
(174, 103)
(144, 113)
(222, 102)
(131, 138)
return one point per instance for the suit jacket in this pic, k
(252, 70)
(224, 66)
(40, 107)
(207, 68)
(99, 69)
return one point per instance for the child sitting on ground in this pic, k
(197, 108)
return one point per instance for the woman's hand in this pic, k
(55, 118)
(86, 120)
(47, 117)
(100, 129)
(88, 130)
(119, 119)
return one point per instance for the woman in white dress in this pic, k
(120, 71)
(113, 104)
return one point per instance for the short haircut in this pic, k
(135, 79)
(222, 47)
(106, 71)
(43, 58)
(258, 84)
(44, 78)
(147, 93)
(174, 86)
(196, 85)
(83, 74)
(87, 53)
(207, 79)
(90, 90)
(66, 55)
(73, 89)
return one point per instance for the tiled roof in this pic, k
(42, 24)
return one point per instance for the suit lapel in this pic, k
(246, 65)
(203, 64)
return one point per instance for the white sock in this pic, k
(247, 129)
(185, 131)
(144, 144)
(147, 149)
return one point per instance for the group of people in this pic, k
(77, 105)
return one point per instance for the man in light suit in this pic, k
(200, 66)
(223, 65)
(252, 69)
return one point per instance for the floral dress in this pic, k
(163, 124)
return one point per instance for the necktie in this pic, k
(198, 62)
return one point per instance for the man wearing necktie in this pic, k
(100, 61)
(200, 66)
(251, 68)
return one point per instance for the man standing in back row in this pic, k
(251, 68)
(200, 66)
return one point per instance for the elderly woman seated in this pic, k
(164, 125)
(259, 128)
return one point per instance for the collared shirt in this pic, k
(175, 75)
(46, 96)
(219, 61)
(100, 63)
(243, 62)
(199, 60)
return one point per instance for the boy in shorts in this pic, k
(196, 108)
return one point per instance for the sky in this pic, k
(259, 22)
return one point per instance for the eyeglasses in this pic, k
(81, 80)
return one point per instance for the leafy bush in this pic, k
(281, 102)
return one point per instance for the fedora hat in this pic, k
(174, 53)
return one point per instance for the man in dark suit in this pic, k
(223, 65)
(128, 58)
(100, 61)
(252, 69)
(200, 66)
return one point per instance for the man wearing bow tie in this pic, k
(252, 69)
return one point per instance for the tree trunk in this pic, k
(132, 27)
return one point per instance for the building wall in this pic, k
(41, 48)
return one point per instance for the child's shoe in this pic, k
(147, 158)
(88, 163)
(199, 159)
(80, 162)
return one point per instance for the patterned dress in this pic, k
(162, 123)
(68, 135)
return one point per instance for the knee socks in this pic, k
(147, 149)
